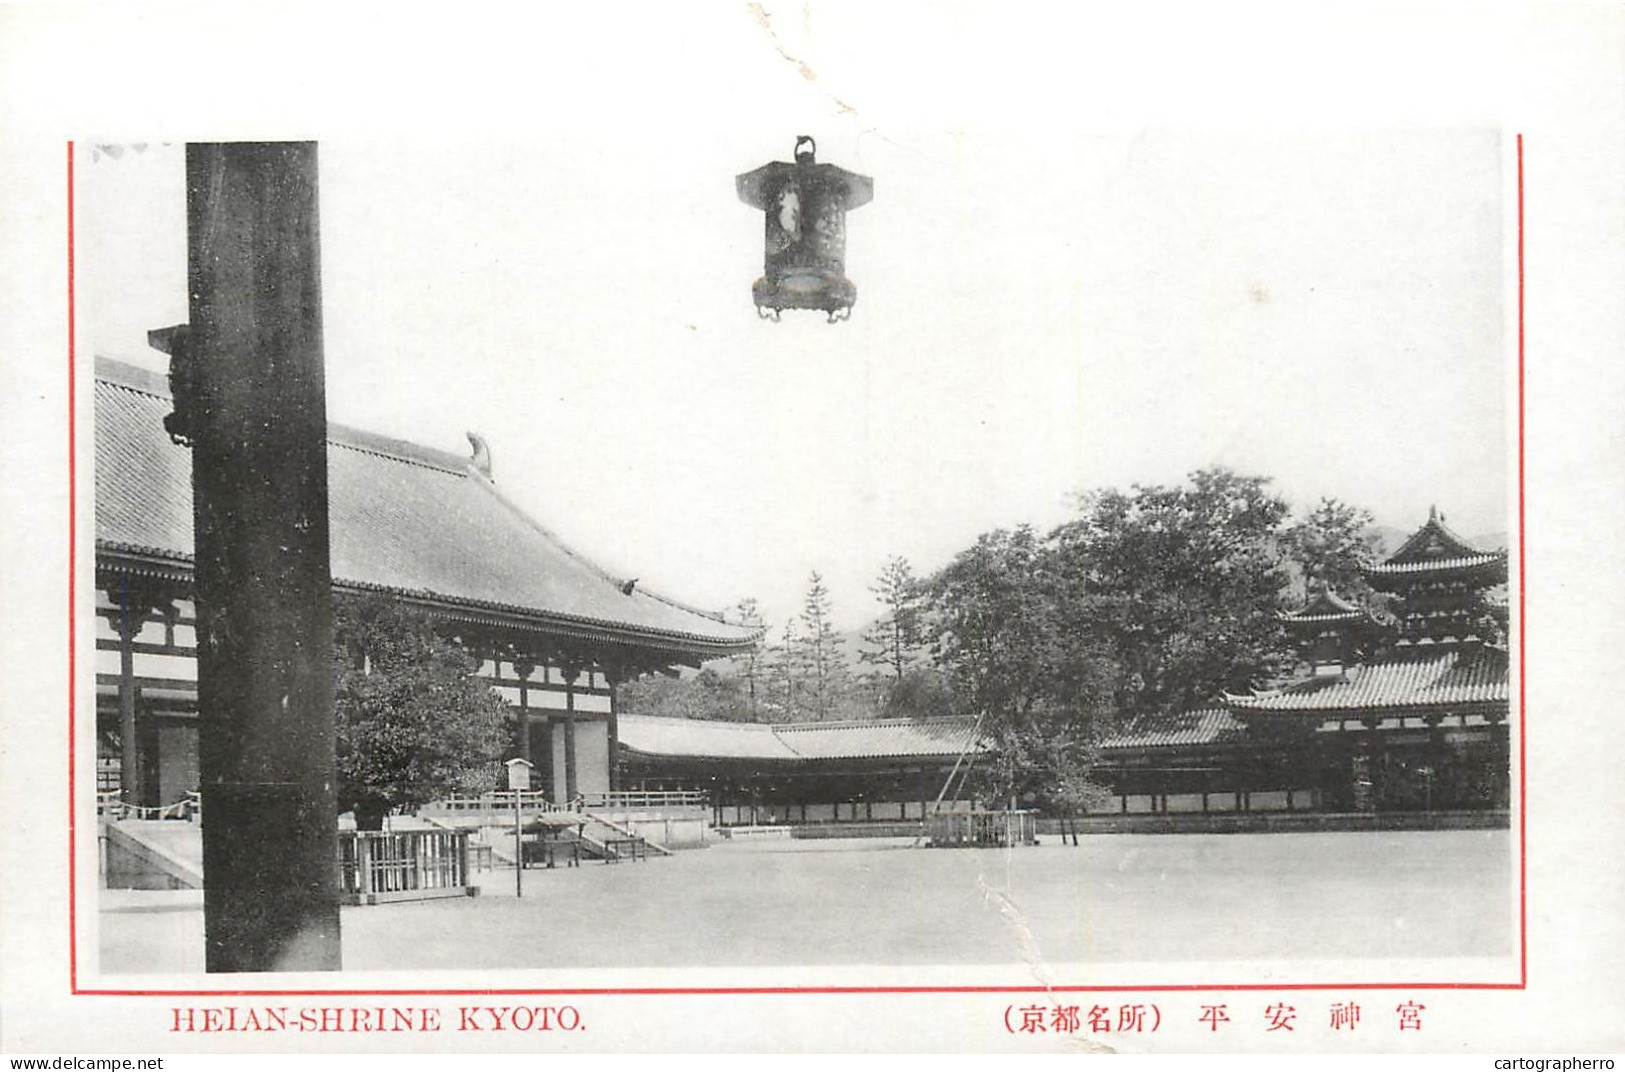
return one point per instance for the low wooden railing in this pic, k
(406, 865)
(650, 799)
(982, 828)
(502, 802)
(489, 802)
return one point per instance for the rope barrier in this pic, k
(108, 803)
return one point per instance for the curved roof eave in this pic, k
(539, 620)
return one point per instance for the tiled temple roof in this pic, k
(1433, 548)
(1423, 681)
(1429, 682)
(684, 738)
(879, 737)
(1325, 606)
(694, 738)
(1439, 565)
(404, 519)
(1210, 725)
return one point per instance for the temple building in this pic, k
(1399, 707)
(554, 634)
(1403, 708)
(800, 772)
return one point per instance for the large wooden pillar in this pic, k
(570, 673)
(613, 676)
(135, 602)
(523, 668)
(129, 624)
(250, 395)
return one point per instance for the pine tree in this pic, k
(783, 670)
(821, 655)
(751, 666)
(892, 644)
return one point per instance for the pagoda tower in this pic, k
(1441, 583)
(1332, 633)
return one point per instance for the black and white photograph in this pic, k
(755, 536)
(894, 575)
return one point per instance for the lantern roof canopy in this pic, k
(759, 188)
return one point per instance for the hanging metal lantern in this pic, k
(806, 204)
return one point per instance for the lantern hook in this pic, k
(812, 148)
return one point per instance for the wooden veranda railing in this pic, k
(406, 865)
(652, 799)
(502, 803)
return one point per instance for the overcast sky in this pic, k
(1039, 312)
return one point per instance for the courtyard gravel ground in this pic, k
(1115, 898)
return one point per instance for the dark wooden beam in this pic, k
(249, 387)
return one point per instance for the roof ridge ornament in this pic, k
(181, 424)
(481, 460)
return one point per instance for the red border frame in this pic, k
(73, 600)
(73, 962)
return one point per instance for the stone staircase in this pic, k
(151, 854)
(601, 830)
(599, 836)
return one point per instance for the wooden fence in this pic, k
(409, 865)
(982, 828)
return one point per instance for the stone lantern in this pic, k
(804, 266)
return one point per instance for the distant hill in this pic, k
(1389, 539)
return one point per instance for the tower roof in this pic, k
(1325, 606)
(1435, 549)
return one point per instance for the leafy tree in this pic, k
(998, 618)
(892, 644)
(1180, 588)
(993, 623)
(922, 692)
(707, 694)
(1150, 601)
(821, 657)
(1330, 545)
(412, 724)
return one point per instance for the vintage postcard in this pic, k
(798, 528)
